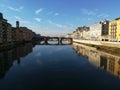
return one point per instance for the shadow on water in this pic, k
(7, 57)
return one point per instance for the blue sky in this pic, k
(58, 17)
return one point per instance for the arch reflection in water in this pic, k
(53, 42)
(102, 60)
(9, 56)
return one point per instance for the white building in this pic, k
(95, 31)
(99, 31)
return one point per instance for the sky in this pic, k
(58, 17)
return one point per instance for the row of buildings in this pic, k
(10, 34)
(104, 31)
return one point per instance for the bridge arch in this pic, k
(58, 39)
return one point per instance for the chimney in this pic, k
(17, 24)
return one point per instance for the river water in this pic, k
(58, 67)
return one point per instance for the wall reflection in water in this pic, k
(109, 62)
(9, 56)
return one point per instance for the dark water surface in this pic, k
(58, 67)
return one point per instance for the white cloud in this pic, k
(88, 12)
(25, 22)
(56, 24)
(103, 15)
(21, 20)
(56, 14)
(38, 11)
(18, 18)
(89, 19)
(60, 25)
(37, 19)
(96, 13)
(16, 9)
(46, 31)
(53, 13)
(49, 13)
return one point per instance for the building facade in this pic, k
(9, 34)
(95, 31)
(105, 30)
(82, 32)
(5, 30)
(114, 30)
(99, 31)
(21, 34)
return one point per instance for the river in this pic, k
(58, 67)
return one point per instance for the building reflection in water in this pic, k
(102, 60)
(9, 56)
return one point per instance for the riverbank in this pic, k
(109, 47)
(101, 43)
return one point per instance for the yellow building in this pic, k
(114, 30)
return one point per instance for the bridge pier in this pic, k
(71, 40)
(59, 41)
(45, 41)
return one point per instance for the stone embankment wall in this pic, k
(104, 43)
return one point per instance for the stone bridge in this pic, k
(58, 39)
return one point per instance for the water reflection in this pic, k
(53, 43)
(56, 68)
(102, 60)
(9, 56)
